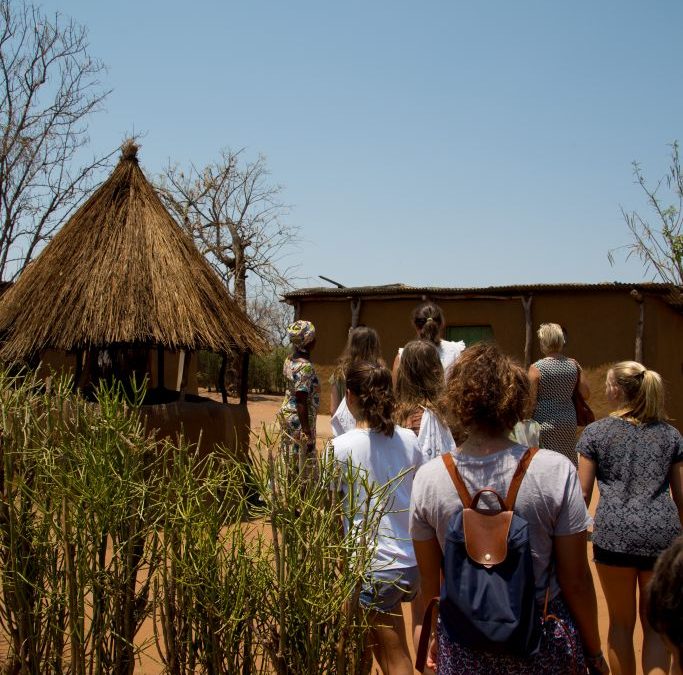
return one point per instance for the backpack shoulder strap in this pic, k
(459, 483)
(517, 478)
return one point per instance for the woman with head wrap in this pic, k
(302, 390)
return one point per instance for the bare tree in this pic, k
(49, 87)
(272, 315)
(235, 216)
(660, 244)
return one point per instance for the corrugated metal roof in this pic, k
(521, 289)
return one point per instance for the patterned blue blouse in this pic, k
(636, 513)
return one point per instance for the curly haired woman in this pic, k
(489, 393)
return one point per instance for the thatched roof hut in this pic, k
(121, 271)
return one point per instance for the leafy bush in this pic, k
(265, 372)
(208, 367)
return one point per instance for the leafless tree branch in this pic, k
(659, 245)
(236, 217)
(50, 85)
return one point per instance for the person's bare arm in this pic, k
(428, 555)
(576, 582)
(584, 388)
(587, 469)
(534, 379)
(676, 482)
(394, 368)
(302, 413)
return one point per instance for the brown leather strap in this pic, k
(425, 634)
(518, 477)
(459, 483)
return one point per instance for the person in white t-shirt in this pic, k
(419, 388)
(383, 452)
(428, 321)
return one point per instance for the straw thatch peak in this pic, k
(129, 150)
(122, 271)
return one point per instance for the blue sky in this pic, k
(433, 143)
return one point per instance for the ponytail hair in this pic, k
(428, 319)
(371, 383)
(643, 392)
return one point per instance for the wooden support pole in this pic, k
(640, 326)
(160, 366)
(185, 373)
(529, 329)
(221, 378)
(244, 378)
(355, 312)
(79, 369)
(181, 370)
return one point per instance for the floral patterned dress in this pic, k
(300, 376)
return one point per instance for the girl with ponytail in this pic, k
(429, 324)
(383, 453)
(638, 460)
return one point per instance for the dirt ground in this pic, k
(262, 409)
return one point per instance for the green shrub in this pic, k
(102, 528)
(208, 367)
(265, 372)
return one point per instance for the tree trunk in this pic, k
(528, 330)
(240, 289)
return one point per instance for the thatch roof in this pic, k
(122, 271)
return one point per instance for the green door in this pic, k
(469, 334)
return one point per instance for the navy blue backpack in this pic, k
(488, 594)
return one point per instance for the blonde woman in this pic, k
(638, 461)
(553, 379)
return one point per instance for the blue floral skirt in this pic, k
(561, 652)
